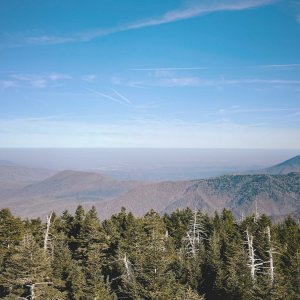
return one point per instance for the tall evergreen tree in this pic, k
(133, 258)
(27, 272)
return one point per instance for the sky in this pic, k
(150, 74)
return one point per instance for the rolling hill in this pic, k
(14, 177)
(77, 184)
(34, 192)
(64, 190)
(275, 195)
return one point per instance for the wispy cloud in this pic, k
(42, 40)
(171, 69)
(257, 81)
(169, 17)
(89, 77)
(183, 82)
(198, 10)
(120, 100)
(194, 81)
(279, 66)
(121, 96)
(238, 110)
(8, 83)
(116, 80)
(36, 80)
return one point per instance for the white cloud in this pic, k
(194, 81)
(42, 40)
(89, 77)
(173, 69)
(238, 110)
(124, 98)
(38, 80)
(198, 10)
(116, 80)
(57, 76)
(8, 83)
(279, 66)
(183, 81)
(121, 100)
(168, 17)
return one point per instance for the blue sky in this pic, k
(132, 73)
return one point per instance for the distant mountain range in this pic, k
(275, 195)
(13, 177)
(288, 166)
(34, 192)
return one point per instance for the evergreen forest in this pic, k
(187, 255)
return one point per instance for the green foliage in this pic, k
(149, 257)
(27, 271)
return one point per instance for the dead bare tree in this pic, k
(254, 263)
(127, 266)
(47, 232)
(194, 235)
(270, 261)
(32, 287)
(256, 215)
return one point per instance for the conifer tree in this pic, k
(90, 237)
(11, 229)
(61, 262)
(95, 287)
(75, 282)
(27, 272)
(149, 263)
(11, 232)
(213, 268)
(137, 258)
(75, 237)
(177, 225)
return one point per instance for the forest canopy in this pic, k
(187, 255)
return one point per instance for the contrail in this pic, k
(121, 96)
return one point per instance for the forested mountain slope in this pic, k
(285, 167)
(274, 195)
(182, 256)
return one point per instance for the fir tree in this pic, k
(27, 272)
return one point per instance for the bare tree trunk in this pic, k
(126, 264)
(31, 288)
(46, 239)
(256, 215)
(271, 262)
(193, 236)
(253, 262)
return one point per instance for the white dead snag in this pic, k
(193, 236)
(31, 289)
(242, 217)
(256, 215)
(47, 239)
(167, 234)
(126, 265)
(270, 262)
(254, 263)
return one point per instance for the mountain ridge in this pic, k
(277, 194)
(285, 167)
